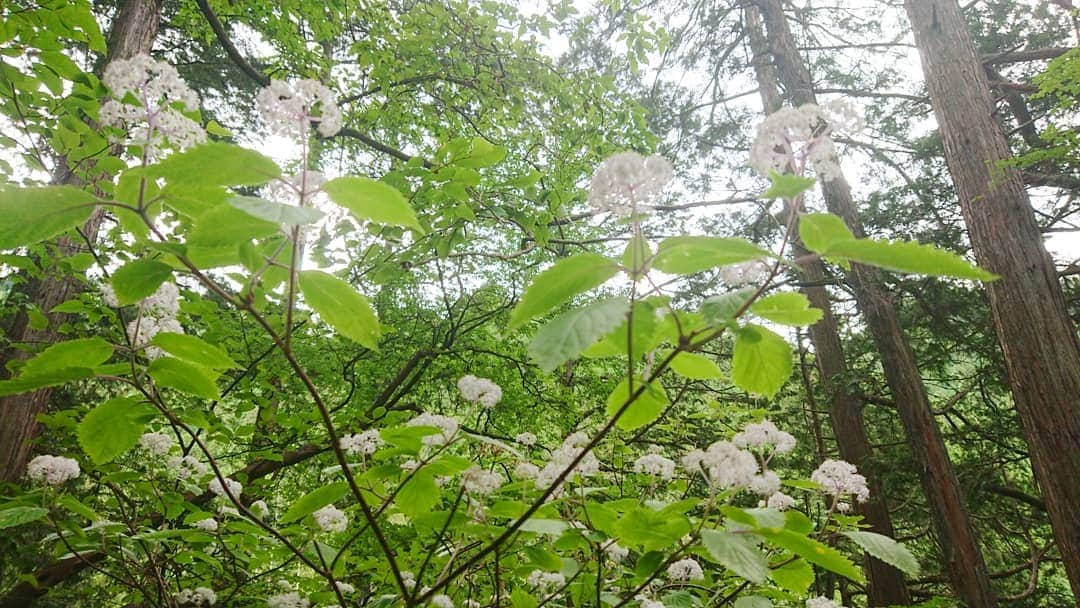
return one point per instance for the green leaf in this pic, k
(25, 384)
(786, 185)
(289, 215)
(650, 529)
(32, 215)
(185, 377)
(885, 549)
(482, 154)
(111, 428)
(551, 527)
(574, 331)
(137, 280)
(695, 367)
(762, 361)
(341, 306)
(227, 226)
(418, 495)
(368, 199)
(813, 552)
(80, 353)
(519, 598)
(193, 349)
(788, 308)
(17, 516)
(736, 553)
(753, 601)
(216, 164)
(796, 576)
(907, 256)
(315, 500)
(564, 280)
(636, 256)
(721, 309)
(690, 254)
(646, 408)
(820, 230)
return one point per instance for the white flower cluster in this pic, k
(821, 602)
(292, 599)
(615, 552)
(260, 509)
(364, 443)
(478, 481)
(409, 579)
(746, 273)
(526, 439)
(479, 390)
(764, 436)
(158, 89)
(344, 588)
(526, 470)
(545, 581)
(299, 188)
(723, 464)
(234, 487)
(289, 109)
(158, 444)
(186, 467)
(837, 478)
(780, 501)
(157, 314)
(442, 601)
(199, 596)
(647, 602)
(448, 427)
(331, 519)
(52, 470)
(627, 182)
(561, 458)
(766, 484)
(685, 570)
(797, 137)
(655, 465)
(207, 525)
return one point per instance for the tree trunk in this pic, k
(959, 546)
(1039, 342)
(133, 32)
(886, 583)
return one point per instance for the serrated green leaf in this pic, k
(572, 332)
(25, 384)
(690, 254)
(796, 576)
(482, 153)
(419, 494)
(139, 279)
(736, 553)
(565, 279)
(695, 367)
(278, 213)
(646, 408)
(315, 500)
(788, 308)
(786, 185)
(367, 199)
(907, 256)
(17, 516)
(885, 549)
(341, 306)
(193, 349)
(215, 164)
(721, 309)
(111, 428)
(820, 230)
(32, 215)
(813, 552)
(551, 527)
(80, 353)
(185, 377)
(762, 361)
(226, 227)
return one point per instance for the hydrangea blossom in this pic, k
(615, 552)
(345, 588)
(627, 182)
(766, 484)
(685, 570)
(526, 439)
(364, 443)
(545, 581)
(764, 435)
(409, 579)
(821, 602)
(655, 465)
(186, 467)
(197, 597)
(52, 470)
(292, 599)
(478, 481)
(157, 444)
(647, 602)
(289, 109)
(838, 478)
(746, 273)
(800, 137)
(723, 464)
(479, 390)
(447, 426)
(526, 470)
(158, 89)
(234, 487)
(207, 525)
(442, 601)
(561, 458)
(780, 501)
(260, 509)
(157, 314)
(331, 519)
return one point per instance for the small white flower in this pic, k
(185, 467)
(108, 295)
(655, 465)
(479, 390)
(289, 110)
(260, 509)
(478, 481)
(561, 458)
(685, 570)
(821, 602)
(409, 579)
(526, 470)
(410, 465)
(448, 427)
(362, 443)
(843, 507)
(345, 588)
(526, 439)
(52, 470)
(207, 525)
(780, 502)
(764, 435)
(442, 601)
(196, 598)
(546, 581)
(234, 487)
(746, 273)
(157, 444)
(291, 599)
(838, 478)
(331, 519)
(627, 182)
(766, 484)
(615, 552)
(723, 464)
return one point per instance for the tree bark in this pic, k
(886, 584)
(132, 33)
(956, 536)
(1038, 340)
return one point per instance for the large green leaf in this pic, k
(721, 309)
(80, 353)
(907, 256)
(762, 361)
(419, 494)
(367, 199)
(646, 408)
(753, 601)
(31, 215)
(25, 384)
(736, 553)
(574, 331)
(690, 254)
(885, 549)
(650, 529)
(136, 280)
(227, 226)
(820, 230)
(813, 552)
(796, 576)
(17, 516)
(185, 377)
(482, 153)
(564, 280)
(786, 185)
(278, 213)
(695, 367)
(111, 428)
(215, 164)
(315, 500)
(788, 308)
(341, 306)
(193, 349)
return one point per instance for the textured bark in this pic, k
(886, 584)
(133, 32)
(959, 546)
(1039, 342)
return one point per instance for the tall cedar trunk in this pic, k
(959, 546)
(887, 586)
(1038, 339)
(133, 32)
